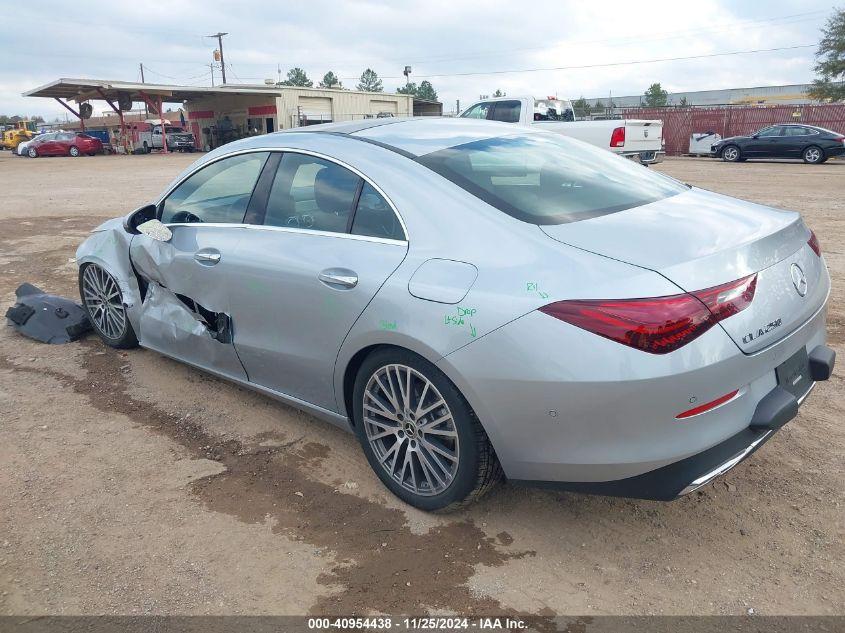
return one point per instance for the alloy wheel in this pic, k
(730, 154)
(104, 302)
(812, 155)
(410, 429)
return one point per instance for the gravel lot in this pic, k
(132, 484)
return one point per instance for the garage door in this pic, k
(316, 109)
(390, 107)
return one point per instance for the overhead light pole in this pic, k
(219, 37)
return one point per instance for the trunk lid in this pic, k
(699, 239)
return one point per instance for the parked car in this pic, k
(472, 298)
(638, 139)
(786, 140)
(64, 144)
(23, 147)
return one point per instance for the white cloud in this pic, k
(104, 39)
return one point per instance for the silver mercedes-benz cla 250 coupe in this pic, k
(475, 300)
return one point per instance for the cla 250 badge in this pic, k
(760, 332)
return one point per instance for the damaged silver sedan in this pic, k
(474, 299)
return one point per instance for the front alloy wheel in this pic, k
(731, 153)
(103, 301)
(411, 430)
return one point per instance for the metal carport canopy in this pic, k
(81, 90)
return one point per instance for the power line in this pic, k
(606, 65)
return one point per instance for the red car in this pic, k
(64, 144)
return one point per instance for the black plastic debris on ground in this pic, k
(47, 318)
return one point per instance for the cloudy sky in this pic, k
(464, 48)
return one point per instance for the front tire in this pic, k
(32, 152)
(419, 434)
(813, 155)
(73, 151)
(731, 154)
(103, 301)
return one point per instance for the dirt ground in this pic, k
(132, 484)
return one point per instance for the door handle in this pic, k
(342, 277)
(207, 257)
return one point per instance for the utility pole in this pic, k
(211, 66)
(219, 37)
(146, 114)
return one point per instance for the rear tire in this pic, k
(103, 301)
(731, 154)
(813, 155)
(146, 148)
(432, 465)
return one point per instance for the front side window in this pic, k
(771, 131)
(507, 111)
(311, 193)
(549, 179)
(217, 193)
(478, 111)
(374, 217)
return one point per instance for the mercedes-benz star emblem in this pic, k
(799, 280)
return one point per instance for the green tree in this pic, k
(683, 102)
(426, 91)
(599, 105)
(297, 77)
(330, 80)
(499, 93)
(581, 107)
(830, 61)
(656, 96)
(370, 82)
(409, 88)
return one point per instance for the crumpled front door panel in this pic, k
(185, 308)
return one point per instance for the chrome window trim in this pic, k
(290, 229)
(292, 150)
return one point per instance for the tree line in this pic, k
(368, 82)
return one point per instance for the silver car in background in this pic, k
(475, 299)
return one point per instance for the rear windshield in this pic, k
(549, 179)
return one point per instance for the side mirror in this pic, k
(756, 136)
(140, 215)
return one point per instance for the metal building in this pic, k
(759, 95)
(217, 115)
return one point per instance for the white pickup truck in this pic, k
(148, 138)
(637, 139)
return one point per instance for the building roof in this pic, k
(84, 89)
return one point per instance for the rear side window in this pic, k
(374, 217)
(218, 193)
(507, 111)
(549, 179)
(311, 193)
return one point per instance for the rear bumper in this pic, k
(646, 158)
(835, 151)
(680, 478)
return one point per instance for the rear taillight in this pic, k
(617, 137)
(657, 325)
(814, 243)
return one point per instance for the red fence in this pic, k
(679, 123)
